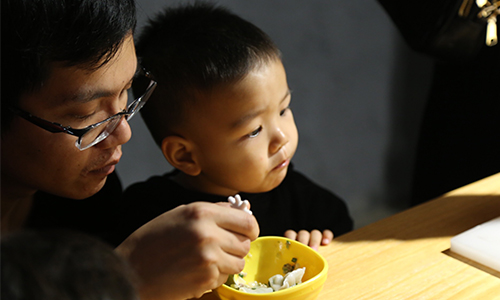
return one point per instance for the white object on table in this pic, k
(480, 244)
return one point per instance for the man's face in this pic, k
(35, 159)
(245, 134)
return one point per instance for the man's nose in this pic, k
(119, 136)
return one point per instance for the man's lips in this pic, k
(106, 170)
(108, 167)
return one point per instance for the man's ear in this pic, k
(178, 151)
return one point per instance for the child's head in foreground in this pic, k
(59, 264)
(221, 111)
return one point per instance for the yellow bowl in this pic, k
(267, 257)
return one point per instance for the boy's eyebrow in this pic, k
(255, 113)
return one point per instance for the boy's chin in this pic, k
(264, 189)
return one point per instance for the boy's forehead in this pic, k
(217, 108)
(233, 105)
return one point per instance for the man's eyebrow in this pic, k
(255, 113)
(91, 95)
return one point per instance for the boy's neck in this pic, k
(197, 183)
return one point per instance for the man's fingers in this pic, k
(230, 264)
(237, 221)
(235, 244)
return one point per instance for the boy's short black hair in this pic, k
(36, 33)
(196, 48)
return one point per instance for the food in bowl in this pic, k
(292, 277)
(270, 256)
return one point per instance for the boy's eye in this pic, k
(284, 110)
(255, 132)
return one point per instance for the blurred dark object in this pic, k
(449, 30)
(459, 135)
(61, 264)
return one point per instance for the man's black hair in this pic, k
(36, 33)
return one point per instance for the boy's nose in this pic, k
(278, 140)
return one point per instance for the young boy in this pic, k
(221, 116)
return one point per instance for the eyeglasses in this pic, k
(95, 133)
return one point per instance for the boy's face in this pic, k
(245, 134)
(35, 159)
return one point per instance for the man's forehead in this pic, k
(81, 84)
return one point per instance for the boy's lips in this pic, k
(283, 164)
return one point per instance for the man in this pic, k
(67, 66)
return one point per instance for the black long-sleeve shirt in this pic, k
(297, 203)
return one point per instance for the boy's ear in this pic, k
(178, 151)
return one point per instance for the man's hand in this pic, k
(189, 250)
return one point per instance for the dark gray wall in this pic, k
(358, 93)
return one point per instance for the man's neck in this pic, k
(15, 207)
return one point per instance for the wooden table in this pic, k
(406, 256)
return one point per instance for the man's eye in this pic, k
(84, 117)
(255, 132)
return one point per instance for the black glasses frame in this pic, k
(54, 127)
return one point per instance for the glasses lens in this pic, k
(98, 133)
(143, 87)
(140, 86)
